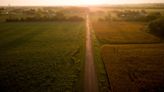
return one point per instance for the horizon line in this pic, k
(81, 5)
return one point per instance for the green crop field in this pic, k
(41, 56)
(135, 68)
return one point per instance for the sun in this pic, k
(83, 2)
(72, 2)
(96, 2)
(91, 2)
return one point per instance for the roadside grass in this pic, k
(135, 68)
(123, 32)
(103, 81)
(41, 56)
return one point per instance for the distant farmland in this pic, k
(41, 56)
(122, 32)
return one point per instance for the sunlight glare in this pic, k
(74, 2)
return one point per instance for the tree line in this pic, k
(131, 15)
(58, 16)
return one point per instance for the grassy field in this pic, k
(41, 56)
(135, 68)
(122, 32)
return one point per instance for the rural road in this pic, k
(90, 77)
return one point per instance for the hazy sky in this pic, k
(74, 2)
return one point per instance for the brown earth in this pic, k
(90, 77)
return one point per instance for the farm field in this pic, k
(131, 55)
(122, 32)
(134, 68)
(41, 56)
(82, 48)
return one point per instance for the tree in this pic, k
(157, 27)
(153, 16)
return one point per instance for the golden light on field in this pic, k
(75, 2)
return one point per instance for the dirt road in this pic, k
(90, 78)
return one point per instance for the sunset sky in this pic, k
(74, 2)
